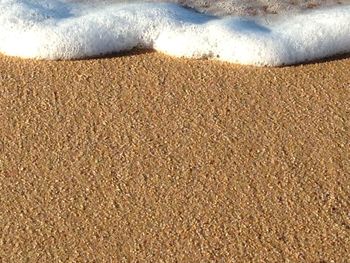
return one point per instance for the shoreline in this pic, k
(57, 33)
(140, 51)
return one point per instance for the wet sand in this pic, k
(240, 7)
(146, 158)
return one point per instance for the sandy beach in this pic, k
(148, 158)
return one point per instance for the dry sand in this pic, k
(146, 158)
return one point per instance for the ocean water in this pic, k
(254, 32)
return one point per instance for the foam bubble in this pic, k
(53, 29)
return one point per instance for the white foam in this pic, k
(53, 29)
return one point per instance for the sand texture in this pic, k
(146, 158)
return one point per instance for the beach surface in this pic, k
(148, 158)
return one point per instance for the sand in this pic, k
(239, 7)
(147, 158)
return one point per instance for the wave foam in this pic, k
(52, 29)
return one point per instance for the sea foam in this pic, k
(53, 29)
